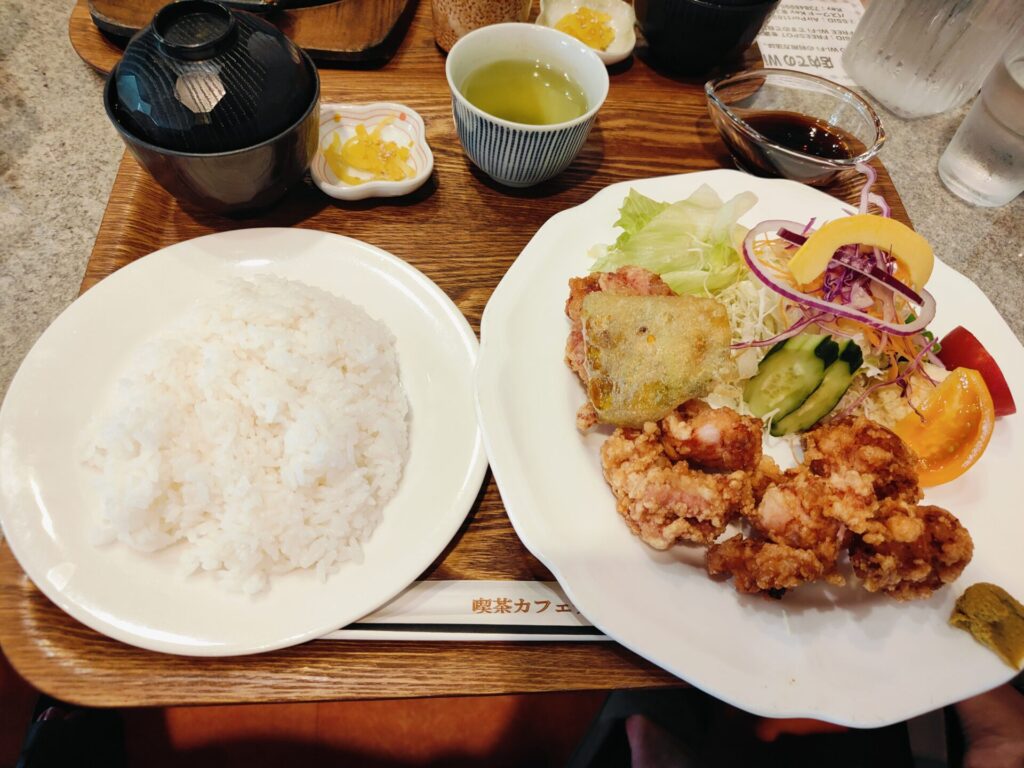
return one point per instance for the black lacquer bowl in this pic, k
(218, 105)
(694, 36)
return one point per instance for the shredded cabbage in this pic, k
(691, 244)
(755, 312)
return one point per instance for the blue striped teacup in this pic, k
(516, 154)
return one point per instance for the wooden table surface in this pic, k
(463, 231)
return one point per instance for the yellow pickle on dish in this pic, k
(368, 156)
(588, 26)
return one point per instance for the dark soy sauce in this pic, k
(804, 134)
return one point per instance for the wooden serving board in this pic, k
(336, 32)
(463, 231)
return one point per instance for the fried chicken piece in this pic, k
(634, 281)
(712, 438)
(804, 539)
(667, 503)
(586, 417)
(864, 458)
(764, 476)
(909, 551)
(852, 499)
(794, 513)
(763, 566)
(628, 281)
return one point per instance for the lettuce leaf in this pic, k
(691, 244)
(635, 214)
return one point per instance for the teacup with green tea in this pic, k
(524, 98)
(524, 91)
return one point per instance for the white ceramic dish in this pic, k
(842, 655)
(403, 125)
(623, 22)
(47, 504)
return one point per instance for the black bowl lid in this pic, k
(202, 79)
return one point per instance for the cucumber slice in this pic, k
(834, 384)
(789, 373)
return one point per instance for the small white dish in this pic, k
(403, 125)
(623, 22)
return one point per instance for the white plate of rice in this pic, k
(241, 442)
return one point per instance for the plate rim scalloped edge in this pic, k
(525, 530)
(474, 473)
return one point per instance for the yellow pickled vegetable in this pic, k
(588, 26)
(912, 253)
(370, 153)
(994, 618)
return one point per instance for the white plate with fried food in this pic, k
(837, 653)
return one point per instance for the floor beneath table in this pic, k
(495, 731)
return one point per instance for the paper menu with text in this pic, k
(810, 36)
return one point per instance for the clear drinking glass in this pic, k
(984, 163)
(922, 57)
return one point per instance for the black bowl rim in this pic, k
(108, 105)
(849, 95)
(742, 8)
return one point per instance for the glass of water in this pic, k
(923, 57)
(984, 163)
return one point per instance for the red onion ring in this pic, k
(925, 313)
(882, 206)
(872, 177)
(791, 237)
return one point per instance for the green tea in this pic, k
(525, 92)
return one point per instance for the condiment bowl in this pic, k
(778, 122)
(623, 23)
(218, 105)
(518, 154)
(398, 123)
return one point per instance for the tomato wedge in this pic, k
(961, 349)
(958, 419)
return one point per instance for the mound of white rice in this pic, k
(267, 429)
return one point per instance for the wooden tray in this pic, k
(338, 32)
(93, 47)
(463, 232)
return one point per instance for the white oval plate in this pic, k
(47, 504)
(842, 655)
